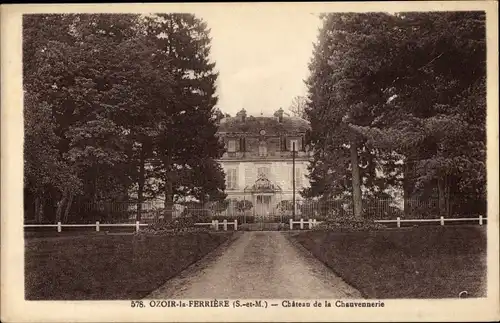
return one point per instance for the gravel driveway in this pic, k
(258, 264)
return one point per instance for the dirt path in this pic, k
(258, 265)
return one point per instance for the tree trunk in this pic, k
(68, 207)
(60, 205)
(447, 196)
(169, 198)
(442, 196)
(356, 183)
(141, 179)
(36, 202)
(406, 189)
(38, 210)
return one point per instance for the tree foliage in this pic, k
(104, 96)
(398, 83)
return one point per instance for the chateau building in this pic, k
(259, 162)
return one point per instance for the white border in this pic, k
(15, 309)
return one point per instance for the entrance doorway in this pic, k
(263, 205)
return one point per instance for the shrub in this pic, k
(240, 218)
(195, 210)
(244, 205)
(219, 206)
(347, 224)
(375, 210)
(173, 226)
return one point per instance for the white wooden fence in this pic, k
(441, 220)
(215, 224)
(312, 222)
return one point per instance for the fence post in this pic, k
(398, 221)
(310, 224)
(235, 225)
(225, 224)
(59, 227)
(216, 225)
(97, 226)
(301, 223)
(442, 220)
(291, 224)
(213, 224)
(137, 226)
(480, 220)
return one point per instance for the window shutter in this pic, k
(248, 176)
(298, 178)
(237, 144)
(303, 143)
(284, 148)
(243, 144)
(236, 178)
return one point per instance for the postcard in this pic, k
(250, 162)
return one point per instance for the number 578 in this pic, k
(136, 304)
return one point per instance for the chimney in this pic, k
(241, 115)
(279, 114)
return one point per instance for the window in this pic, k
(298, 177)
(248, 176)
(231, 146)
(263, 171)
(292, 143)
(231, 179)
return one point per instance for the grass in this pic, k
(104, 267)
(437, 262)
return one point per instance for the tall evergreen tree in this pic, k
(111, 92)
(187, 140)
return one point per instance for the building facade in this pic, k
(259, 159)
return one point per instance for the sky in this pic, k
(262, 57)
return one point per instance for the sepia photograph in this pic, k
(294, 160)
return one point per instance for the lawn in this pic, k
(103, 267)
(429, 262)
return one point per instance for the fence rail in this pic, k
(310, 222)
(215, 224)
(225, 223)
(442, 220)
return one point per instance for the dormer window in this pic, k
(262, 149)
(279, 115)
(231, 146)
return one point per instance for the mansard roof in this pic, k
(271, 124)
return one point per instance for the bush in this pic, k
(173, 226)
(348, 225)
(102, 216)
(219, 206)
(240, 218)
(195, 211)
(380, 211)
(285, 206)
(244, 205)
